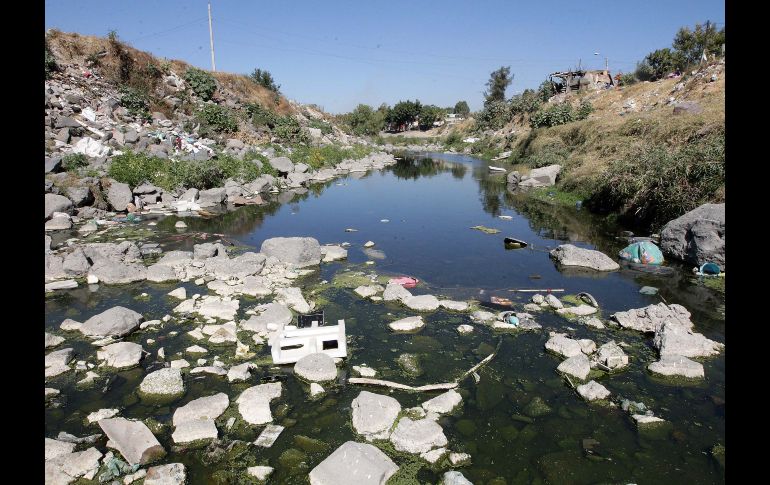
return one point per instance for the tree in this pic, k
(546, 90)
(366, 121)
(264, 79)
(692, 43)
(663, 61)
(499, 80)
(428, 115)
(404, 112)
(462, 109)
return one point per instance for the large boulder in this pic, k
(652, 317)
(170, 474)
(195, 420)
(354, 464)
(569, 255)
(133, 439)
(697, 237)
(317, 367)
(417, 436)
(254, 402)
(541, 177)
(443, 403)
(115, 322)
(211, 197)
(119, 195)
(163, 382)
(282, 164)
(56, 203)
(373, 414)
(120, 355)
(300, 251)
(560, 344)
(275, 317)
(674, 339)
(677, 365)
(112, 273)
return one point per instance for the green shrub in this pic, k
(364, 120)
(627, 79)
(318, 157)
(264, 79)
(201, 82)
(325, 128)
(135, 102)
(555, 115)
(454, 140)
(585, 109)
(136, 168)
(527, 102)
(50, 62)
(655, 185)
(554, 153)
(74, 161)
(494, 115)
(260, 116)
(288, 130)
(216, 119)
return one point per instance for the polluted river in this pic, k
(513, 419)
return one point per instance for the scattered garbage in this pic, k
(500, 301)
(405, 281)
(487, 230)
(642, 252)
(708, 269)
(509, 318)
(292, 343)
(588, 298)
(492, 168)
(116, 468)
(267, 437)
(511, 243)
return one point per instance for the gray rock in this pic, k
(333, 253)
(317, 367)
(354, 464)
(211, 197)
(417, 436)
(282, 164)
(677, 365)
(115, 322)
(119, 195)
(275, 317)
(159, 273)
(56, 203)
(112, 273)
(171, 474)
(513, 178)
(422, 302)
(209, 250)
(254, 402)
(79, 196)
(134, 440)
(577, 366)
(443, 403)
(569, 255)
(563, 345)
(241, 266)
(58, 223)
(53, 164)
(374, 414)
(395, 292)
(672, 338)
(61, 285)
(650, 318)
(697, 237)
(454, 478)
(120, 355)
(553, 302)
(612, 356)
(65, 468)
(300, 251)
(592, 391)
(408, 324)
(190, 195)
(56, 362)
(541, 177)
(76, 263)
(163, 382)
(52, 340)
(210, 407)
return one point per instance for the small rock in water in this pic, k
(180, 225)
(260, 472)
(369, 244)
(465, 329)
(384, 220)
(648, 290)
(92, 279)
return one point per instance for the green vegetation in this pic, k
(216, 119)
(288, 130)
(135, 168)
(364, 120)
(325, 127)
(462, 109)
(499, 80)
(560, 114)
(134, 101)
(50, 62)
(264, 79)
(260, 116)
(201, 82)
(403, 113)
(430, 114)
(655, 185)
(74, 161)
(319, 157)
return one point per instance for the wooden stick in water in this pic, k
(549, 290)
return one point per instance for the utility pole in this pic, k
(607, 64)
(211, 40)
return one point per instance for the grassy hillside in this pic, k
(635, 155)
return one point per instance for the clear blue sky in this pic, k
(339, 53)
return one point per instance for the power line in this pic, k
(172, 29)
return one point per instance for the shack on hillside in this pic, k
(578, 80)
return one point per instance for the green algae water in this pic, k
(521, 422)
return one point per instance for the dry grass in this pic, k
(73, 48)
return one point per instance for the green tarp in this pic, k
(643, 252)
